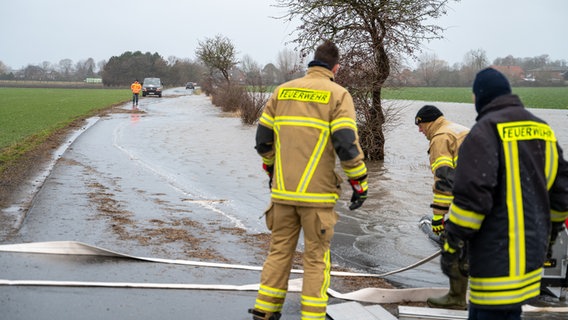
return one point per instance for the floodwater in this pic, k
(182, 162)
(400, 195)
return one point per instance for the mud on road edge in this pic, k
(19, 183)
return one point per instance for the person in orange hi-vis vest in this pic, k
(135, 87)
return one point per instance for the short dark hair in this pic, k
(328, 53)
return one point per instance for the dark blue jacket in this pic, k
(511, 182)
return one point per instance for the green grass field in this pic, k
(545, 98)
(29, 115)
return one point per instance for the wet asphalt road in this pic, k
(183, 166)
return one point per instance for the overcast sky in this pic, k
(34, 31)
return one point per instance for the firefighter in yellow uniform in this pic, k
(445, 138)
(135, 87)
(305, 124)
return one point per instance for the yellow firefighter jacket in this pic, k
(305, 123)
(445, 139)
(135, 87)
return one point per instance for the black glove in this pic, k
(454, 261)
(557, 227)
(270, 171)
(360, 188)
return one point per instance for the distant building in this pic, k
(93, 80)
(513, 73)
(550, 74)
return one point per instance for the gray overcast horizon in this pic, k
(35, 31)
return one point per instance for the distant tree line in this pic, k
(65, 70)
(123, 69)
(529, 71)
(430, 70)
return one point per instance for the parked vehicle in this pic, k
(152, 86)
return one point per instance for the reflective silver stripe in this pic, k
(343, 122)
(465, 218)
(272, 292)
(305, 197)
(301, 121)
(503, 298)
(314, 160)
(358, 171)
(267, 120)
(505, 290)
(266, 306)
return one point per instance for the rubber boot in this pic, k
(454, 299)
(261, 315)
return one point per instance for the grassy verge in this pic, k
(532, 97)
(49, 84)
(544, 98)
(29, 116)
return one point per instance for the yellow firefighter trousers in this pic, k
(285, 222)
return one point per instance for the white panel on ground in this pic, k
(380, 312)
(417, 313)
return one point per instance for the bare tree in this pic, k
(172, 60)
(430, 69)
(473, 61)
(270, 74)
(218, 54)
(3, 68)
(251, 69)
(85, 69)
(290, 64)
(32, 72)
(66, 67)
(507, 61)
(101, 65)
(256, 97)
(476, 59)
(372, 35)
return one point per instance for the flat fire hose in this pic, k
(372, 295)
(79, 248)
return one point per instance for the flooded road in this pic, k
(132, 181)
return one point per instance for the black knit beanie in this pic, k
(427, 113)
(488, 85)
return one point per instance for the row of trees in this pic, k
(65, 70)
(123, 69)
(434, 72)
(120, 70)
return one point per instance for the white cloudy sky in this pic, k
(34, 31)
